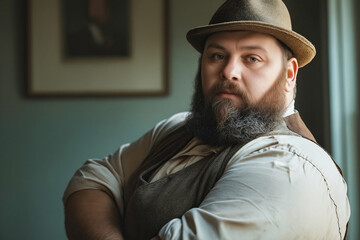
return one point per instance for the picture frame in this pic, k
(142, 70)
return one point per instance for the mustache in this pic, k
(230, 87)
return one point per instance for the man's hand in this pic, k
(92, 215)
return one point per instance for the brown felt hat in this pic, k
(264, 16)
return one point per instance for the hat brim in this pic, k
(303, 50)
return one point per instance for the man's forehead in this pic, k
(247, 37)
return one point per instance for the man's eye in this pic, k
(253, 59)
(218, 56)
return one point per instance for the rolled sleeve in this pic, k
(102, 174)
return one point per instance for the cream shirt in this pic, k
(275, 187)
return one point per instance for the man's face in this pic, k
(239, 91)
(241, 67)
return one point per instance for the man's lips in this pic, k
(226, 93)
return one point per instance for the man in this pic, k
(240, 165)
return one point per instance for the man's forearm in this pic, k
(92, 215)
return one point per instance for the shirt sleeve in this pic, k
(270, 190)
(111, 173)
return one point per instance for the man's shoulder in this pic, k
(291, 148)
(302, 146)
(170, 124)
(285, 146)
(290, 143)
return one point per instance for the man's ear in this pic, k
(291, 73)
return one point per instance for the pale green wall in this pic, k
(43, 141)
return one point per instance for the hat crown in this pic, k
(273, 12)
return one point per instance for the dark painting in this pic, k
(96, 28)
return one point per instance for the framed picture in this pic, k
(95, 28)
(97, 48)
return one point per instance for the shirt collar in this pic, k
(290, 109)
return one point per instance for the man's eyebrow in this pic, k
(253, 48)
(214, 45)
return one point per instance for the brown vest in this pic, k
(149, 206)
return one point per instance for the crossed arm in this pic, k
(270, 194)
(91, 212)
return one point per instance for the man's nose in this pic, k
(232, 70)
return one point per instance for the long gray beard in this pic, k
(221, 124)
